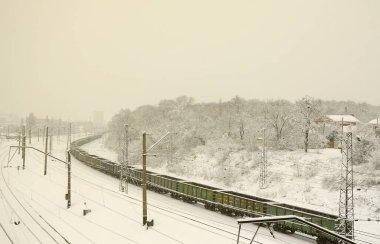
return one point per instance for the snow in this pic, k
(38, 202)
(346, 118)
(98, 148)
(374, 121)
(302, 179)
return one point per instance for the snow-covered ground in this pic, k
(302, 179)
(33, 208)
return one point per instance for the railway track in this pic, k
(227, 229)
(301, 236)
(28, 215)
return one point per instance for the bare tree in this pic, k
(279, 115)
(309, 110)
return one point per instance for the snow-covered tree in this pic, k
(279, 117)
(309, 111)
(31, 121)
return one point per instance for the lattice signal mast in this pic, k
(346, 202)
(124, 163)
(263, 162)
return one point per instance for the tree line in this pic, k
(289, 125)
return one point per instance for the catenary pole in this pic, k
(68, 179)
(144, 181)
(46, 148)
(23, 146)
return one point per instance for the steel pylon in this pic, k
(345, 225)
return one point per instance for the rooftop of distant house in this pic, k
(345, 117)
(375, 121)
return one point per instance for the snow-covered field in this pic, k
(33, 208)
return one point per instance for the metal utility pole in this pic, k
(124, 163)
(263, 165)
(46, 148)
(68, 196)
(346, 202)
(23, 146)
(144, 184)
(145, 215)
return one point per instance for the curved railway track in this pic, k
(202, 222)
(183, 215)
(109, 169)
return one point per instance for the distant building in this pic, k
(98, 119)
(337, 120)
(334, 124)
(375, 121)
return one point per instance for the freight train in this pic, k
(215, 199)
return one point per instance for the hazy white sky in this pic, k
(69, 58)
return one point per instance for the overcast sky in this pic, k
(69, 58)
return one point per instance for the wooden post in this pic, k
(144, 181)
(38, 134)
(68, 179)
(23, 146)
(46, 148)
